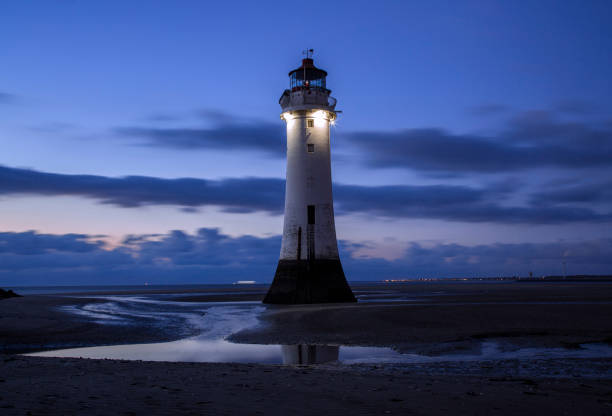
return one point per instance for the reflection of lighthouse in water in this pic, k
(309, 269)
(310, 354)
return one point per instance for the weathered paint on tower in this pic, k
(309, 269)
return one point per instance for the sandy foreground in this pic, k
(74, 386)
(437, 320)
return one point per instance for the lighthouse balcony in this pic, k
(307, 98)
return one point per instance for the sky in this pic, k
(141, 142)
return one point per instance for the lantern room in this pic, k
(307, 77)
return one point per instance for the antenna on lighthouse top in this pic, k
(308, 53)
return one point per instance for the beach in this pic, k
(437, 323)
(73, 386)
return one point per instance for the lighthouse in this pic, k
(309, 268)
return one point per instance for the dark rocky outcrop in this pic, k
(5, 294)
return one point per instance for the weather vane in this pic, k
(308, 53)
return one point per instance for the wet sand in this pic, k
(437, 318)
(445, 318)
(36, 323)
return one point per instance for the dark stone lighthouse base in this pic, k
(309, 281)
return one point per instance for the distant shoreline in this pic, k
(191, 287)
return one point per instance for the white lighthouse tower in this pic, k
(309, 269)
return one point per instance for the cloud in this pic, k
(456, 260)
(576, 107)
(206, 256)
(209, 247)
(233, 195)
(453, 203)
(209, 256)
(246, 195)
(162, 118)
(53, 127)
(488, 109)
(6, 98)
(225, 134)
(531, 140)
(30, 242)
(434, 150)
(219, 117)
(589, 193)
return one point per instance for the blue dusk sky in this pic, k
(141, 141)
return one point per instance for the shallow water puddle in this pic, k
(222, 351)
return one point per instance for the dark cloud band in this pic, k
(244, 195)
(261, 136)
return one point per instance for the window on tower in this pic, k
(310, 122)
(311, 214)
(310, 147)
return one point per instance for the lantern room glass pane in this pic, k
(314, 79)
